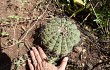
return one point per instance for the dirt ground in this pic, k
(19, 20)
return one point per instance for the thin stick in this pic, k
(14, 35)
(88, 14)
(32, 26)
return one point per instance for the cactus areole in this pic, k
(60, 35)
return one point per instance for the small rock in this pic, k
(84, 50)
(79, 49)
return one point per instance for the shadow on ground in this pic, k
(5, 61)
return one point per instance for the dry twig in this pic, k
(25, 34)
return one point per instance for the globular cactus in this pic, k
(60, 35)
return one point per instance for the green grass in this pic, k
(99, 9)
(102, 14)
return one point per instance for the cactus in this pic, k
(60, 35)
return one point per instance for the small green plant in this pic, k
(22, 1)
(102, 14)
(1, 20)
(73, 7)
(16, 17)
(21, 44)
(60, 35)
(4, 34)
(19, 62)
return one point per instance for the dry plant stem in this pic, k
(85, 18)
(39, 2)
(108, 26)
(41, 16)
(27, 45)
(14, 32)
(96, 15)
(88, 15)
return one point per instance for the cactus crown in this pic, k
(60, 35)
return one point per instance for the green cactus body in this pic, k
(60, 35)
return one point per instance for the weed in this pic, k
(16, 17)
(19, 62)
(3, 34)
(1, 20)
(102, 13)
(72, 7)
(22, 1)
(21, 44)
